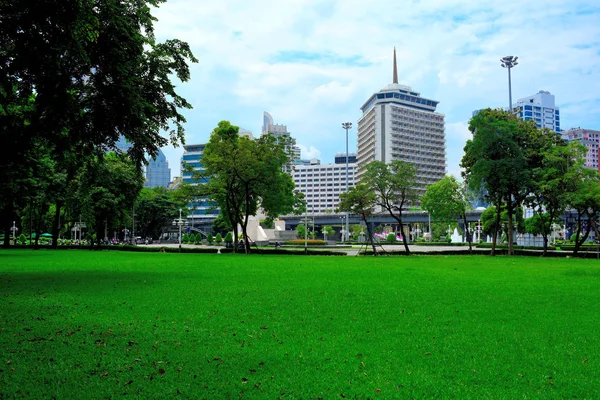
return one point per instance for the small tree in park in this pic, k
(218, 239)
(327, 230)
(301, 229)
(228, 239)
(210, 238)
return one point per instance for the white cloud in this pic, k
(312, 64)
(309, 152)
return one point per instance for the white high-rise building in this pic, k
(540, 108)
(323, 184)
(398, 124)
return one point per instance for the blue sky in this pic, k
(313, 63)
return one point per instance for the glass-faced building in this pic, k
(201, 210)
(158, 173)
(398, 124)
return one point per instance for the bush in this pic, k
(448, 239)
(574, 237)
(391, 237)
(210, 238)
(228, 238)
(22, 239)
(218, 238)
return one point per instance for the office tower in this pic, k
(398, 124)
(201, 210)
(322, 184)
(540, 108)
(590, 139)
(279, 130)
(158, 173)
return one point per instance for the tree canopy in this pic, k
(394, 186)
(241, 175)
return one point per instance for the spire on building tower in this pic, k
(395, 68)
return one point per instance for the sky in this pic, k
(313, 63)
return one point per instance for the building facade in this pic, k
(323, 184)
(590, 139)
(158, 173)
(398, 124)
(278, 130)
(201, 210)
(541, 109)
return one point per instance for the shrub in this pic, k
(22, 238)
(448, 239)
(218, 238)
(210, 238)
(574, 237)
(391, 237)
(229, 238)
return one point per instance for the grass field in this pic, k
(81, 324)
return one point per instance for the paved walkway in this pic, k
(351, 251)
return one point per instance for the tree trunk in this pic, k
(509, 234)
(579, 238)
(364, 216)
(245, 235)
(56, 226)
(468, 233)
(545, 251)
(495, 231)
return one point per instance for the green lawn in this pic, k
(82, 324)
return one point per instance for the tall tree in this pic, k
(108, 189)
(80, 74)
(154, 209)
(360, 200)
(555, 178)
(445, 201)
(241, 175)
(496, 160)
(586, 201)
(394, 186)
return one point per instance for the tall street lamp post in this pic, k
(347, 126)
(509, 62)
(179, 222)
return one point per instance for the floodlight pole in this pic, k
(347, 126)
(509, 62)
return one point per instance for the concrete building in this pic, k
(323, 184)
(398, 124)
(590, 139)
(279, 130)
(158, 173)
(540, 108)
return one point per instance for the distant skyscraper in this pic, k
(540, 108)
(590, 139)
(123, 144)
(158, 173)
(398, 124)
(279, 130)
